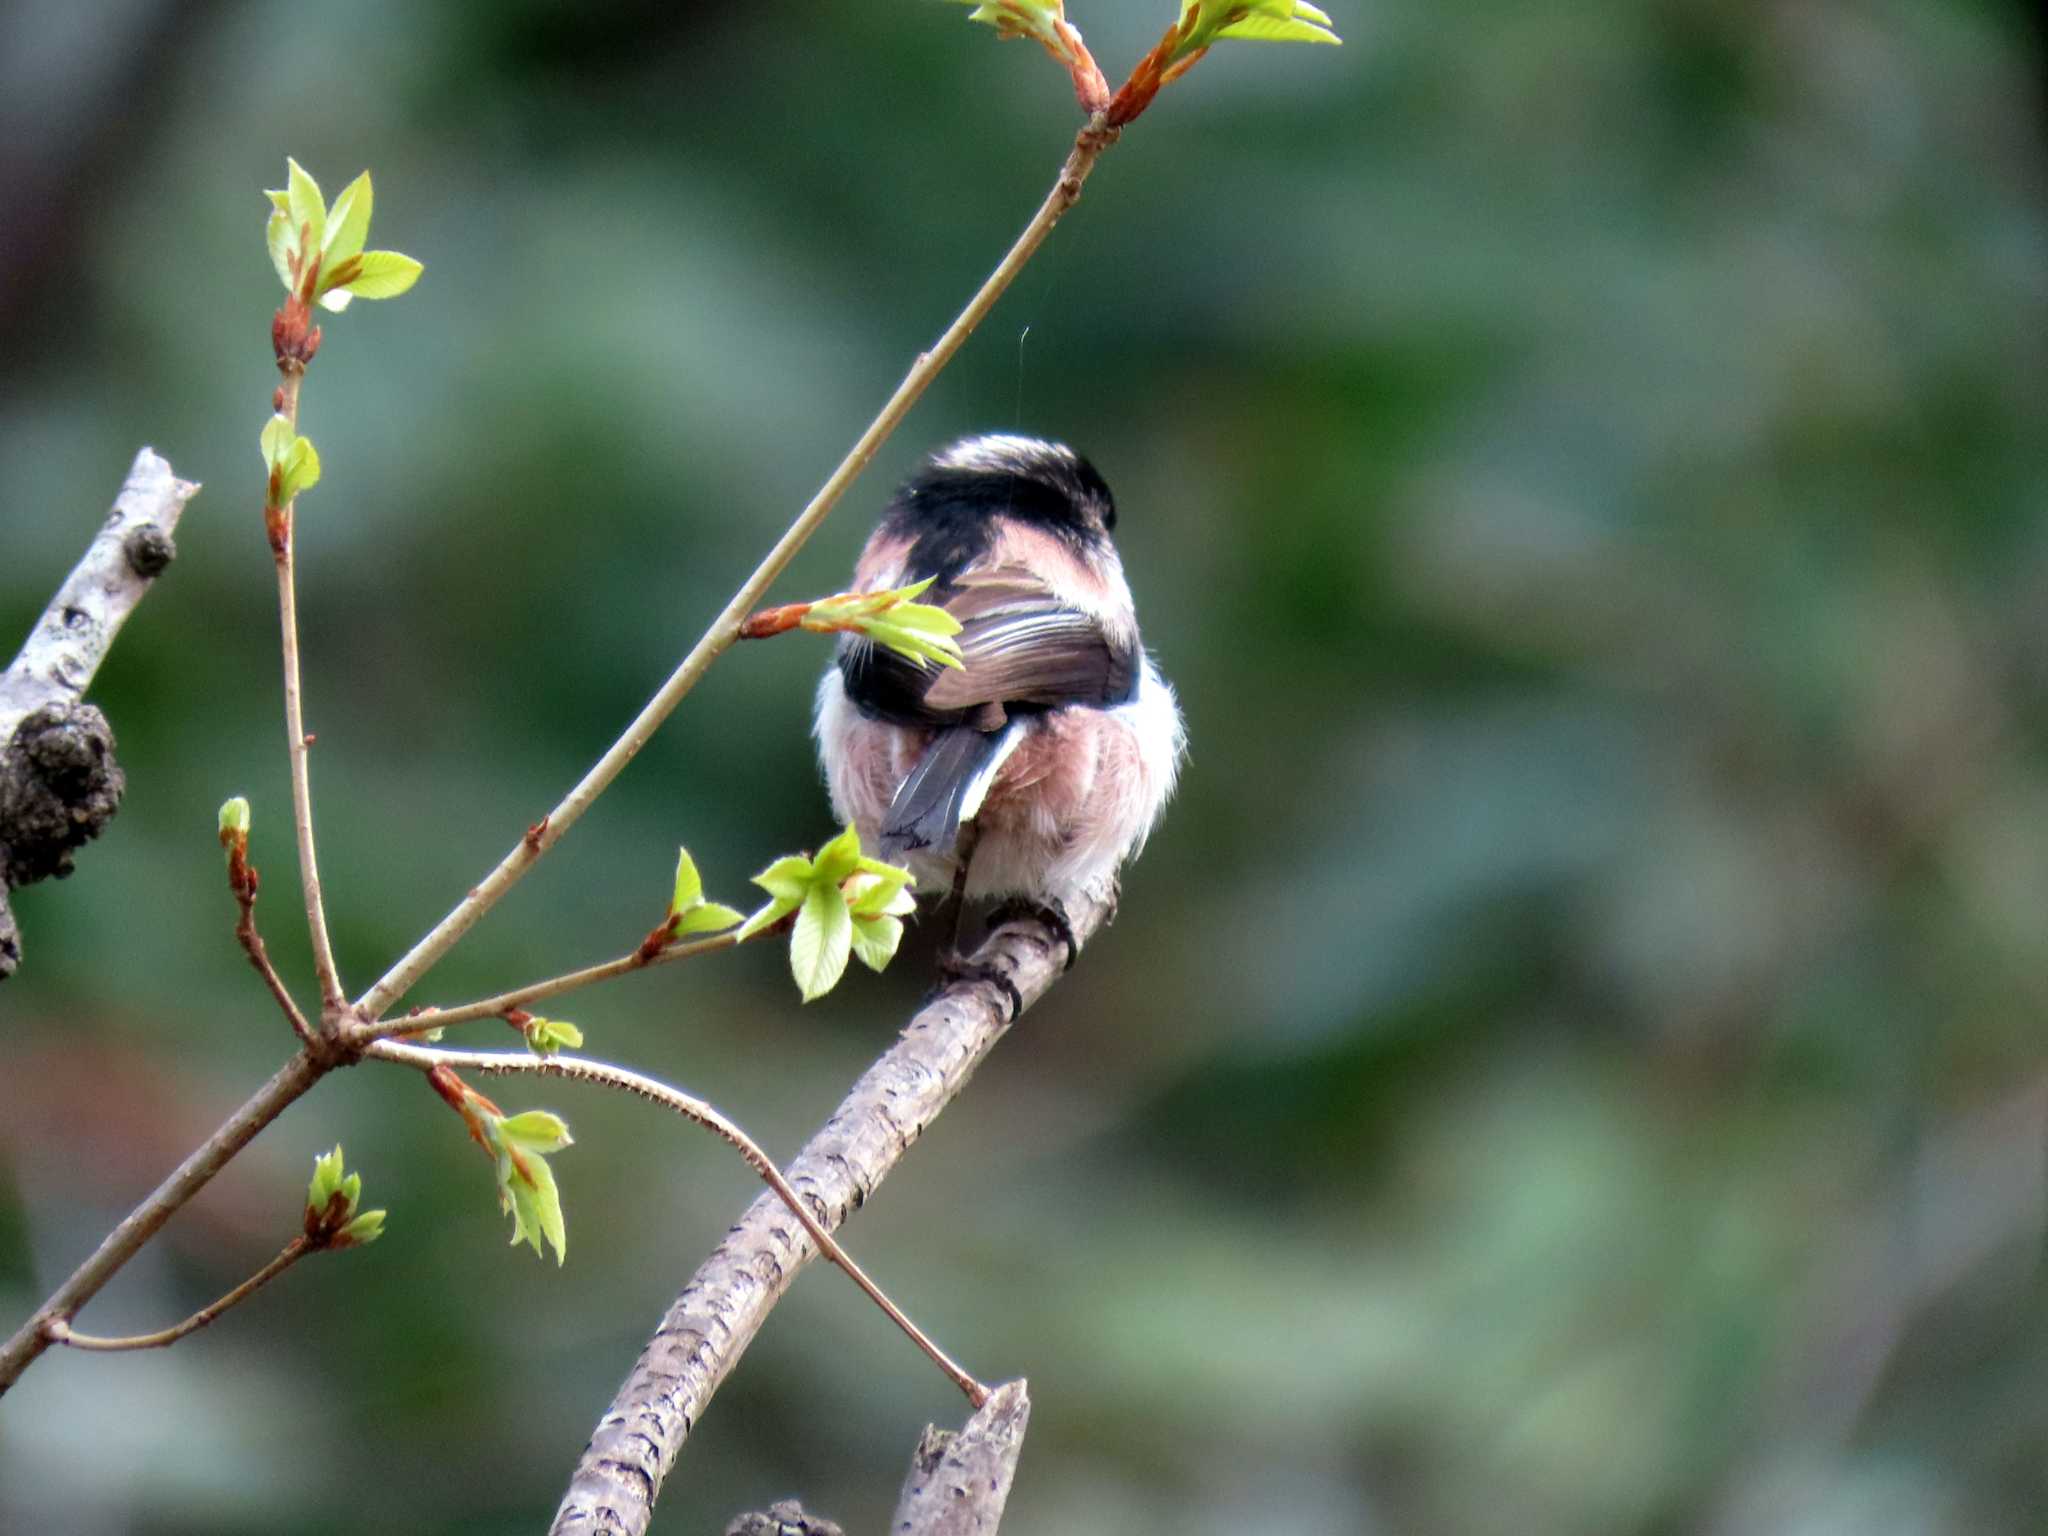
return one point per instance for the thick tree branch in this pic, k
(59, 784)
(710, 1324)
(72, 638)
(959, 1481)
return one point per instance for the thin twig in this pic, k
(120, 1245)
(61, 1332)
(704, 1332)
(493, 1007)
(244, 881)
(332, 995)
(580, 1069)
(396, 982)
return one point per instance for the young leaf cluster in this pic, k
(1200, 23)
(318, 250)
(234, 823)
(294, 465)
(526, 1184)
(544, 1037)
(332, 1217)
(1203, 22)
(918, 632)
(1043, 21)
(688, 911)
(846, 905)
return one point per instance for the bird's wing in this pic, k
(1021, 646)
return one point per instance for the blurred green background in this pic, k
(1572, 1059)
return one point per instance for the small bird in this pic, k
(1037, 768)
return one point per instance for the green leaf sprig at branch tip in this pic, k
(846, 904)
(918, 632)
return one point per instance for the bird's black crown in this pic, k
(948, 506)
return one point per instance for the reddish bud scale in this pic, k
(293, 336)
(242, 877)
(465, 1101)
(321, 1225)
(773, 621)
(1090, 89)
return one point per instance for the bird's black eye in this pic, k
(1109, 517)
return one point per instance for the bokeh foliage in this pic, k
(1572, 1060)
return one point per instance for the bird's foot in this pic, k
(1047, 913)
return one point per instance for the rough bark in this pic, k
(59, 782)
(709, 1326)
(959, 1481)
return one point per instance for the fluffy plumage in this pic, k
(1058, 743)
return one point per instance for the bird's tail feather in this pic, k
(946, 789)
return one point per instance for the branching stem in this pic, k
(396, 982)
(493, 1007)
(583, 1070)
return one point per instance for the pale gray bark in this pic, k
(710, 1324)
(59, 783)
(960, 1480)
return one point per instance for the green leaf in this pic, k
(366, 1228)
(301, 468)
(707, 917)
(535, 1130)
(276, 440)
(348, 223)
(1022, 18)
(282, 241)
(526, 1189)
(384, 275)
(786, 879)
(768, 916)
(837, 859)
(875, 937)
(881, 902)
(689, 885)
(234, 819)
(303, 202)
(326, 1181)
(870, 894)
(920, 632)
(823, 939)
(924, 617)
(1281, 29)
(1203, 22)
(544, 1037)
(910, 645)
